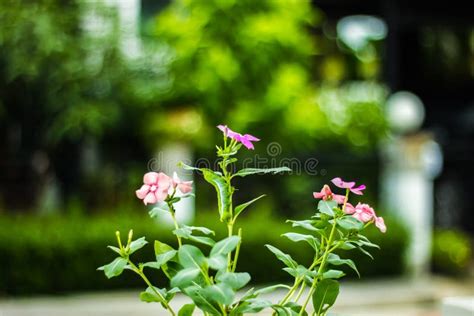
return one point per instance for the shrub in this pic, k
(451, 251)
(60, 254)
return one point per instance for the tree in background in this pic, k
(266, 65)
(64, 89)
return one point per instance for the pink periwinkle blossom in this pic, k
(327, 195)
(348, 185)
(183, 186)
(155, 188)
(365, 213)
(246, 139)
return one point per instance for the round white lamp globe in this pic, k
(405, 112)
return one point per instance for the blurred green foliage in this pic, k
(451, 251)
(267, 67)
(61, 254)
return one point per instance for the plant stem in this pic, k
(237, 251)
(176, 225)
(230, 228)
(323, 262)
(143, 276)
(300, 292)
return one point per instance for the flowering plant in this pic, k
(210, 280)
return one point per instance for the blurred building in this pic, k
(429, 50)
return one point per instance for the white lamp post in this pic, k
(411, 161)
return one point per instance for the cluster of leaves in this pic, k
(329, 230)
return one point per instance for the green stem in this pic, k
(300, 292)
(237, 251)
(143, 276)
(176, 225)
(230, 228)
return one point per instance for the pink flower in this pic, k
(380, 223)
(327, 195)
(183, 186)
(155, 187)
(246, 139)
(364, 213)
(348, 185)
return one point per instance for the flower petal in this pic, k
(223, 128)
(318, 195)
(185, 186)
(380, 223)
(342, 184)
(350, 209)
(251, 138)
(150, 198)
(358, 190)
(164, 182)
(143, 191)
(246, 143)
(161, 195)
(338, 198)
(150, 178)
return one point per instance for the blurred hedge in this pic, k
(61, 254)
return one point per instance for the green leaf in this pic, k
(297, 272)
(253, 305)
(333, 274)
(217, 262)
(225, 246)
(191, 257)
(250, 171)
(350, 223)
(152, 264)
(185, 277)
(283, 257)
(150, 296)
(367, 243)
(271, 288)
(137, 244)
(204, 230)
(115, 268)
(224, 199)
(115, 249)
(284, 310)
(235, 280)
(238, 209)
(306, 224)
(220, 293)
(186, 310)
(326, 207)
(336, 260)
(160, 210)
(163, 252)
(187, 167)
(347, 246)
(310, 239)
(365, 252)
(203, 240)
(325, 295)
(187, 233)
(195, 293)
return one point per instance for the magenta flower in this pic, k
(183, 186)
(348, 185)
(327, 195)
(365, 213)
(246, 139)
(155, 188)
